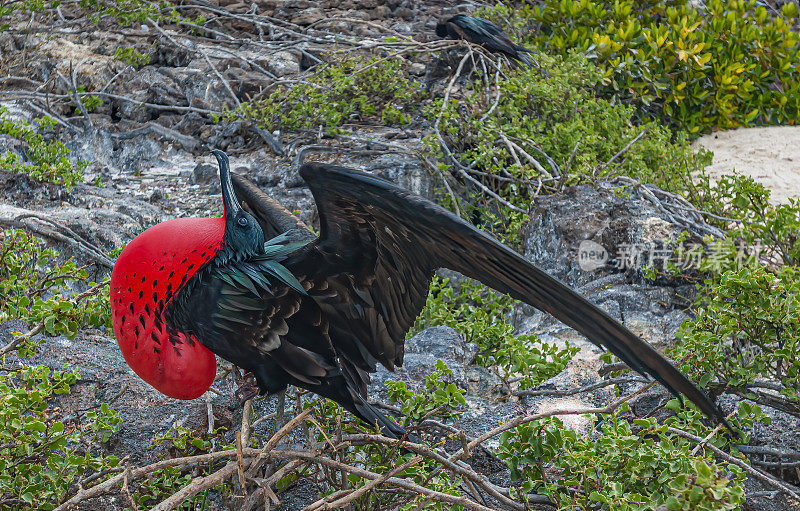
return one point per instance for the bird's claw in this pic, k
(247, 390)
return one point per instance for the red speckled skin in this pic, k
(151, 270)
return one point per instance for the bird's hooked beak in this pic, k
(230, 202)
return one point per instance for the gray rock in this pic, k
(200, 86)
(203, 173)
(106, 378)
(157, 195)
(147, 85)
(562, 221)
(405, 171)
(137, 155)
(380, 12)
(283, 63)
(584, 212)
(308, 16)
(417, 69)
(421, 355)
(101, 215)
(95, 145)
(442, 342)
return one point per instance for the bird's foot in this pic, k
(247, 390)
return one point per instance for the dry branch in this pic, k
(196, 486)
(758, 474)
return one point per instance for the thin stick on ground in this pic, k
(327, 503)
(195, 487)
(758, 474)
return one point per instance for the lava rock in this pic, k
(308, 16)
(157, 195)
(424, 350)
(283, 63)
(405, 171)
(202, 174)
(417, 69)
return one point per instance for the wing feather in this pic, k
(360, 218)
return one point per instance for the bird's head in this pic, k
(441, 29)
(153, 269)
(243, 236)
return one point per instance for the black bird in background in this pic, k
(483, 32)
(321, 314)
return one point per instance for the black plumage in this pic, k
(321, 314)
(483, 32)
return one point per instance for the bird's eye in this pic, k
(242, 221)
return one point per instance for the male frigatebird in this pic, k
(321, 314)
(483, 32)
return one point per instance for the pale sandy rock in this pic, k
(579, 423)
(308, 16)
(417, 69)
(90, 67)
(283, 63)
(770, 155)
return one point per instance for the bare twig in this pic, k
(108, 485)
(195, 487)
(580, 390)
(188, 143)
(758, 474)
(622, 151)
(69, 237)
(518, 421)
(327, 503)
(274, 439)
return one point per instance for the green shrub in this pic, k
(381, 459)
(128, 12)
(120, 12)
(529, 359)
(124, 12)
(630, 466)
(480, 315)
(161, 484)
(42, 456)
(132, 57)
(729, 64)
(35, 288)
(438, 397)
(747, 328)
(9, 9)
(44, 161)
(348, 89)
(773, 228)
(558, 113)
(90, 102)
(757, 230)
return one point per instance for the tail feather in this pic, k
(525, 59)
(367, 413)
(522, 55)
(343, 391)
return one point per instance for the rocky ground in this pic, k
(149, 141)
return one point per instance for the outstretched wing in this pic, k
(379, 245)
